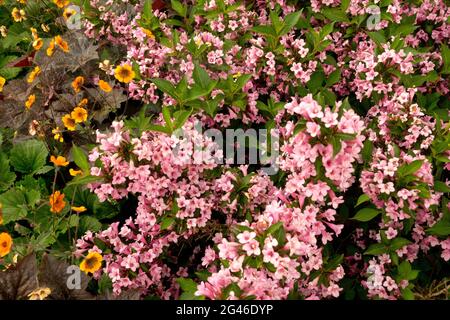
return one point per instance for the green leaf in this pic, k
(187, 285)
(44, 170)
(399, 243)
(316, 81)
(334, 77)
(29, 156)
(6, 176)
(336, 143)
(274, 228)
(167, 117)
(362, 199)
(290, 21)
(179, 7)
(441, 228)
(82, 180)
(445, 52)
(407, 294)
(376, 249)
(344, 5)
(335, 14)
(80, 158)
(10, 73)
(147, 11)
(201, 77)
(181, 118)
(378, 37)
(441, 186)
(410, 168)
(14, 205)
(167, 222)
(89, 223)
(265, 30)
(166, 87)
(366, 214)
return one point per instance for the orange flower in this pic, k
(34, 33)
(37, 44)
(104, 86)
(30, 101)
(77, 84)
(5, 244)
(2, 83)
(59, 161)
(75, 173)
(79, 115)
(57, 135)
(69, 123)
(33, 74)
(62, 44)
(57, 202)
(124, 73)
(51, 48)
(68, 12)
(83, 103)
(61, 3)
(79, 209)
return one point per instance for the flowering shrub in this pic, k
(342, 193)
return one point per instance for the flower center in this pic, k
(91, 262)
(125, 73)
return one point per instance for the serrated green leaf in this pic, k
(28, 156)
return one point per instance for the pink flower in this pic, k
(313, 129)
(252, 248)
(246, 236)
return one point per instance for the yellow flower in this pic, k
(34, 33)
(79, 209)
(37, 44)
(2, 83)
(68, 12)
(30, 101)
(39, 294)
(5, 244)
(75, 173)
(104, 86)
(69, 123)
(148, 33)
(57, 135)
(83, 103)
(77, 84)
(4, 31)
(62, 44)
(33, 74)
(61, 3)
(79, 115)
(18, 15)
(51, 48)
(92, 262)
(59, 161)
(124, 73)
(57, 202)
(45, 27)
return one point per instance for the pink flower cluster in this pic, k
(356, 108)
(402, 135)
